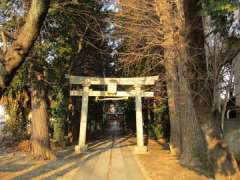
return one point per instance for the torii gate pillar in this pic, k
(82, 147)
(140, 148)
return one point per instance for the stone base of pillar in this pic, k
(82, 149)
(140, 149)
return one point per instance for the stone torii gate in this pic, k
(112, 91)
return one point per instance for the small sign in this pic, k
(112, 87)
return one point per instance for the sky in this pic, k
(111, 6)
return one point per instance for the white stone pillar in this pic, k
(140, 148)
(83, 123)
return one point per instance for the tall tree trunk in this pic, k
(201, 86)
(193, 142)
(174, 111)
(186, 137)
(40, 133)
(163, 11)
(11, 58)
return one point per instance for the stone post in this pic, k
(83, 123)
(140, 148)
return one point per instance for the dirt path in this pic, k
(110, 158)
(159, 164)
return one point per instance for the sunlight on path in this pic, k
(159, 164)
(110, 158)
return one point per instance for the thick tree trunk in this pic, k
(174, 112)
(163, 10)
(224, 164)
(193, 143)
(13, 57)
(40, 133)
(186, 137)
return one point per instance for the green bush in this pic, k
(58, 112)
(159, 126)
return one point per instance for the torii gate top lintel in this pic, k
(112, 84)
(149, 80)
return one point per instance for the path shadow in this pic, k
(13, 165)
(72, 161)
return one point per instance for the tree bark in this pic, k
(14, 56)
(187, 140)
(193, 142)
(40, 132)
(174, 112)
(164, 13)
(201, 90)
